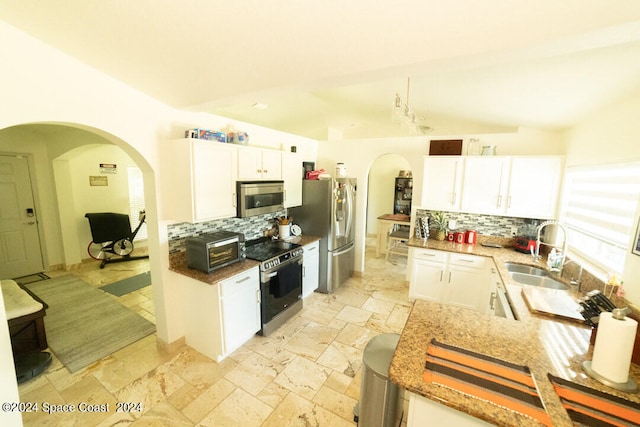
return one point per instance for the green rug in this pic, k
(126, 286)
(83, 324)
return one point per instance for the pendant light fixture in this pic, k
(402, 113)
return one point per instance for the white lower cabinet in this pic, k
(425, 412)
(221, 317)
(240, 307)
(310, 268)
(449, 278)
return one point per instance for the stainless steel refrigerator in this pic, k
(328, 211)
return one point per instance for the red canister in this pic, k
(459, 237)
(471, 236)
(449, 236)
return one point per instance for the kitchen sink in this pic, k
(541, 281)
(533, 276)
(525, 269)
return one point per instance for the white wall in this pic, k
(72, 172)
(609, 135)
(40, 85)
(359, 155)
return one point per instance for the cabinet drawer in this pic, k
(235, 284)
(467, 260)
(429, 255)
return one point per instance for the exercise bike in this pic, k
(112, 236)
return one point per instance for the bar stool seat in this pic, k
(398, 243)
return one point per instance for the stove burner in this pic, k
(272, 253)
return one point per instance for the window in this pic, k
(599, 206)
(136, 200)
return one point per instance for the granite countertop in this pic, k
(544, 344)
(178, 263)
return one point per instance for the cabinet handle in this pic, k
(492, 301)
(499, 200)
(244, 279)
(466, 260)
(258, 296)
(427, 254)
(233, 199)
(265, 171)
(285, 195)
(304, 270)
(509, 201)
(493, 270)
(449, 277)
(441, 273)
(453, 198)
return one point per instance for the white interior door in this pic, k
(20, 253)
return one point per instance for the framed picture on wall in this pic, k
(636, 246)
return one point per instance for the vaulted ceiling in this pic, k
(475, 66)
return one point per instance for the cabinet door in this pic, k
(466, 282)
(426, 280)
(534, 187)
(240, 306)
(292, 176)
(442, 183)
(271, 165)
(249, 164)
(465, 287)
(485, 185)
(310, 268)
(425, 412)
(213, 178)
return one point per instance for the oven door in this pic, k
(280, 288)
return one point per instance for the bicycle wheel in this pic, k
(123, 247)
(100, 251)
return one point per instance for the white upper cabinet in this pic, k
(203, 177)
(442, 188)
(525, 186)
(486, 180)
(259, 164)
(534, 186)
(292, 176)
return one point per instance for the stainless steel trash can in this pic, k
(380, 399)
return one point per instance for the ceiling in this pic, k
(332, 68)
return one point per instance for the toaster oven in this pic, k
(211, 251)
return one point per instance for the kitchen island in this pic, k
(544, 344)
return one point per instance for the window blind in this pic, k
(136, 200)
(599, 206)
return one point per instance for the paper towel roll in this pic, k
(613, 348)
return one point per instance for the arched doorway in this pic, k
(47, 147)
(380, 195)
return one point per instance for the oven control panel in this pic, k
(274, 262)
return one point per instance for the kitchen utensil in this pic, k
(490, 245)
(551, 302)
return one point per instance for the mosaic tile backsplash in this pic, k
(489, 225)
(252, 227)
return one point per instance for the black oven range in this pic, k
(280, 280)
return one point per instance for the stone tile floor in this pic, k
(307, 373)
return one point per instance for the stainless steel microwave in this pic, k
(211, 251)
(259, 197)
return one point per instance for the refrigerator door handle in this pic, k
(344, 251)
(349, 193)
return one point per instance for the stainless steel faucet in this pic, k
(536, 256)
(575, 282)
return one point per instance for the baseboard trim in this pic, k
(171, 347)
